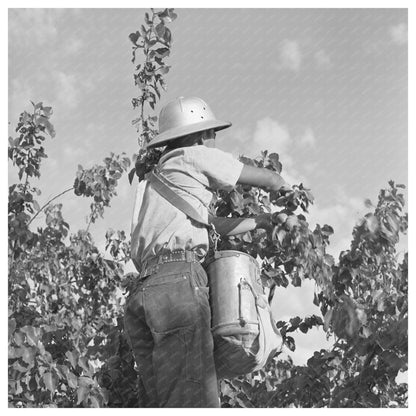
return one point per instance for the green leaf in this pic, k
(134, 37)
(29, 354)
(50, 380)
(94, 401)
(82, 394)
(143, 31)
(131, 175)
(327, 229)
(12, 326)
(85, 381)
(72, 380)
(368, 203)
(18, 388)
(160, 30)
(17, 366)
(36, 205)
(147, 19)
(281, 234)
(13, 352)
(164, 69)
(290, 343)
(295, 321)
(32, 385)
(275, 163)
(32, 334)
(392, 360)
(327, 319)
(162, 52)
(73, 358)
(19, 338)
(47, 111)
(83, 363)
(36, 106)
(297, 281)
(172, 14)
(167, 36)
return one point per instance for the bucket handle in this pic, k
(241, 318)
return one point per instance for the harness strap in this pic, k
(159, 185)
(177, 201)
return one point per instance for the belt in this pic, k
(151, 265)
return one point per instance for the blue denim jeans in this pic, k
(168, 322)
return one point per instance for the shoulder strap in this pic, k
(177, 201)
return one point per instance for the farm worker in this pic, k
(167, 317)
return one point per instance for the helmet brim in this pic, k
(171, 134)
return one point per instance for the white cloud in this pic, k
(322, 59)
(268, 135)
(35, 25)
(290, 56)
(341, 216)
(308, 138)
(398, 33)
(73, 152)
(294, 301)
(20, 94)
(271, 135)
(73, 46)
(310, 167)
(66, 87)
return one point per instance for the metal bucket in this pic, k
(233, 305)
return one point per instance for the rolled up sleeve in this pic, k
(221, 168)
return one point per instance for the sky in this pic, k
(326, 89)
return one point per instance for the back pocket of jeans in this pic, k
(170, 305)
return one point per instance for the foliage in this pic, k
(100, 182)
(67, 346)
(363, 300)
(155, 40)
(65, 303)
(26, 152)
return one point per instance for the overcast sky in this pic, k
(324, 88)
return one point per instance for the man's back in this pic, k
(191, 171)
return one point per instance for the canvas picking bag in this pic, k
(245, 335)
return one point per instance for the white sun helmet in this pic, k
(184, 116)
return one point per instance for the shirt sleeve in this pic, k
(221, 168)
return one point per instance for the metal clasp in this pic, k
(214, 236)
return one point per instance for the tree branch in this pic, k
(53, 199)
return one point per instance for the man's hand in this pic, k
(233, 226)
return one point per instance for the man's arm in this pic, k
(251, 175)
(264, 178)
(233, 226)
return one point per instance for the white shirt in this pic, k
(158, 226)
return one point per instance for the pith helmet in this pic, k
(184, 116)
